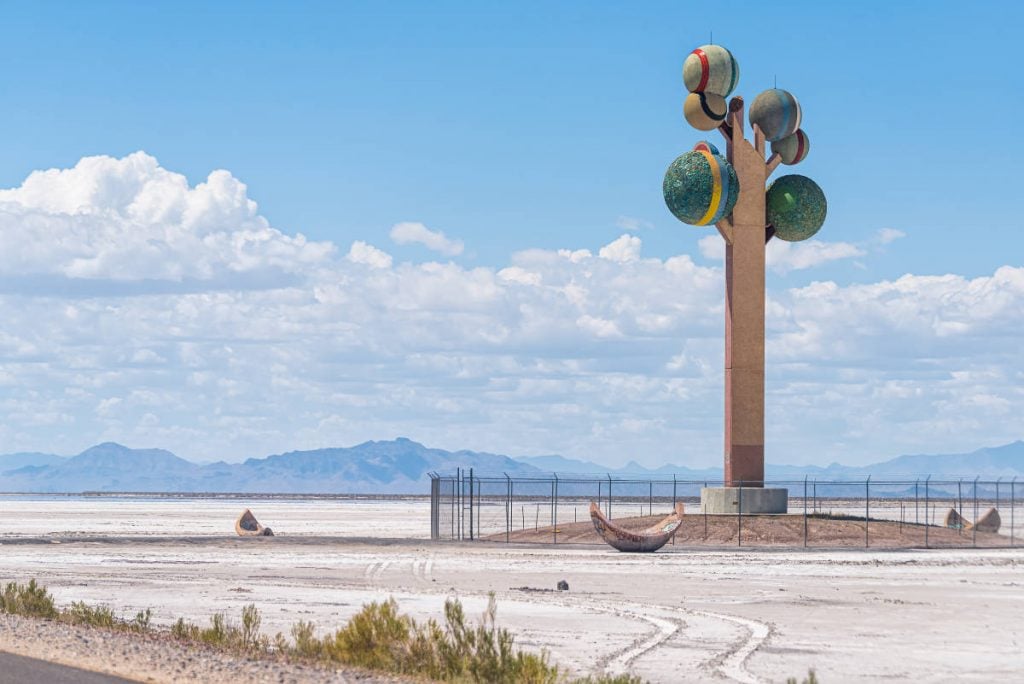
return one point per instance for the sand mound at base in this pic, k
(770, 530)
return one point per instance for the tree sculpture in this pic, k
(702, 187)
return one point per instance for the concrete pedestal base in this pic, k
(755, 500)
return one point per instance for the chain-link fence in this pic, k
(922, 512)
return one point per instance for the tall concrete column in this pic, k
(744, 307)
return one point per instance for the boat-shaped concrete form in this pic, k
(248, 526)
(643, 541)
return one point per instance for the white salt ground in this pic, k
(678, 615)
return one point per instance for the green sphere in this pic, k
(796, 207)
(700, 187)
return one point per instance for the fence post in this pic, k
(554, 512)
(917, 518)
(960, 504)
(1013, 502)
(926, 481)
(815, 488)
(974, 527)
(508, 507)
(998, 480)
(739, 517)
(650, 497)
(805, 511)
(455, 493)
(609, 496)
(867, 509)
(471, 503)
(433, 506)
(673, 499)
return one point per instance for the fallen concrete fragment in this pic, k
(248, 526)
(955, 521)
(989, 521)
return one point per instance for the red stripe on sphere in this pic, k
(799, 146)
(705, 70)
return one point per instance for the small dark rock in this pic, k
(563, 585)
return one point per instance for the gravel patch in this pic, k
(156, 657)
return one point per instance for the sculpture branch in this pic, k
(725, 228)
(759, 142)
(726, 130)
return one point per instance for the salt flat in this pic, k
(678, 615)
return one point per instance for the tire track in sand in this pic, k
(668, 622)
(732, 663)
(374, 571)
(665, 622)
(422, 570)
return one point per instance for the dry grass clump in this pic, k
(379, 638)
(27, 599)
(810, 679)
(225, 634)
(32, 600)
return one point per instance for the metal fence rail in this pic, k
(885, 513)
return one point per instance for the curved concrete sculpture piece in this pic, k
(989, 521)
(644, 541)
(248, 526)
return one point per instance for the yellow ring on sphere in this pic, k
(716, 189)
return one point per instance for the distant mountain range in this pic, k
(402, 466)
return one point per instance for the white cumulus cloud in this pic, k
(130, 219)
(782, 256)
(887, 235)
(411, 232)
(623, 249)
(363, 253)
(594, 355)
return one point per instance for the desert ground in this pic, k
(683, 614)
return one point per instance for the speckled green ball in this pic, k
(700, 188)
(796, 207)
(777, 112)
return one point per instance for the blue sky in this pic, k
(510, 128)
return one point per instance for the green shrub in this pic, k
(375, 638)
(185, 630)
(29, 599)
(306, 643)
(140, 623)
(381, 638)
(250, 634)
(378, 637)
(81, 613)
(810, 679)
(217, 634)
